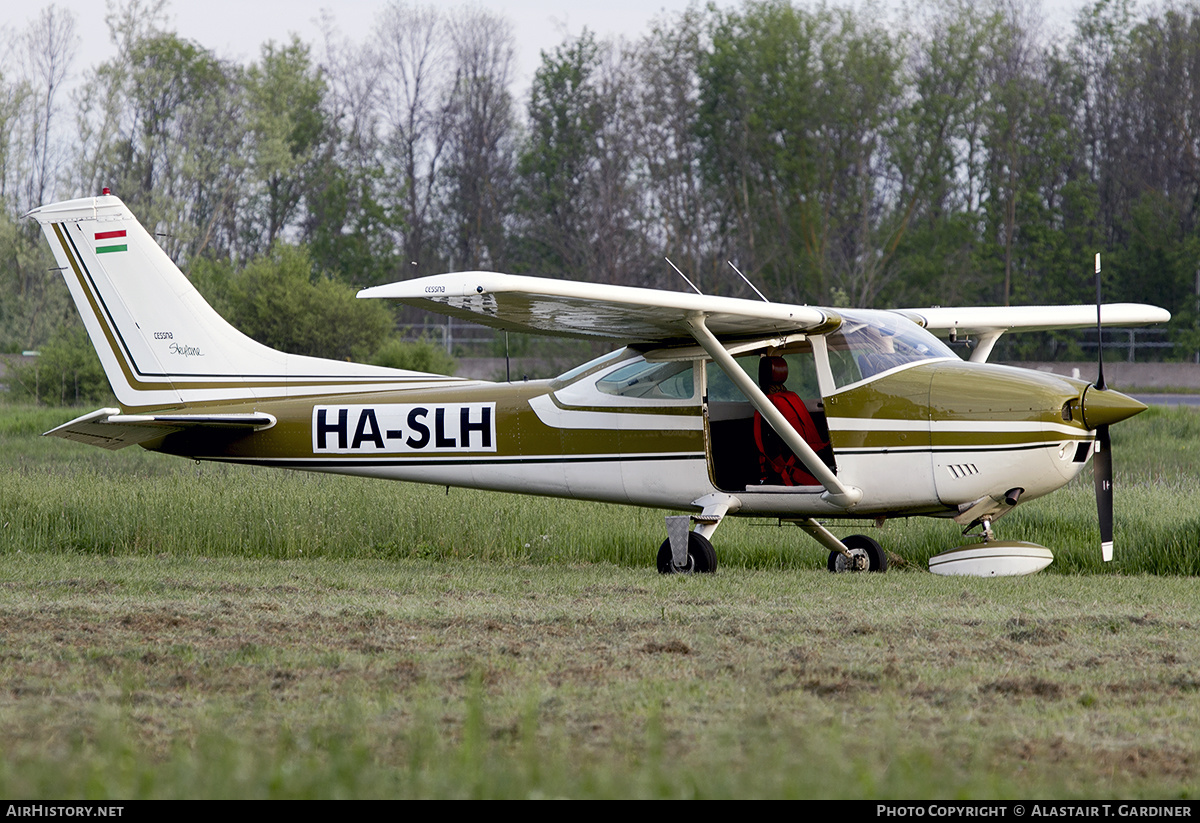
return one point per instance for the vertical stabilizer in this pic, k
(160, 343)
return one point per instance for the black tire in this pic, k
(859, 544)
(702, 557)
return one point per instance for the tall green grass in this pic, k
(362, 750)
(58, 496)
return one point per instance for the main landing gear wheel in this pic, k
(867, 555)
(702, 558)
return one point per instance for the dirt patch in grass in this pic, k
(1036, 634)
(673, 646)
(1025, 687)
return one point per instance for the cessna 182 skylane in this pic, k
(899, 425)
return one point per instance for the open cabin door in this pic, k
(734, 458)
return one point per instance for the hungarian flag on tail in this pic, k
(104, 244)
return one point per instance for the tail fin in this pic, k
(160, 343)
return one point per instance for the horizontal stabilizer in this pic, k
(255, 421)
(109, 429)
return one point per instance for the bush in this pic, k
(280, 302)
(66, 373)
(422, 355)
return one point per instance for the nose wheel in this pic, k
(866, 555)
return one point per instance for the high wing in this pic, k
(617, 313)
(625, 314)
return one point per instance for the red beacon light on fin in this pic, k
(105, 191)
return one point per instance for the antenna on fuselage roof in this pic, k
(747, 279)
(684, 276)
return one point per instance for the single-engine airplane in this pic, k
(856, 413)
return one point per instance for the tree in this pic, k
(352, 217)
(162, 126)
(938, 155)
(480, 162)
(34, 301)
(1143, 100)
(413, 50)
(681, 217)
(49, 49)
(421, 355)
(287, 134)
(67, 371)
(794, 114)
(584, 216)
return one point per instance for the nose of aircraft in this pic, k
(1102, 407)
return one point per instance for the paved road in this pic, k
(1168, 399)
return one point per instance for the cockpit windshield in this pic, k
(871, 342)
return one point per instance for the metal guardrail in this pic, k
(1131, 340)
(1126, 340)
(450, 334)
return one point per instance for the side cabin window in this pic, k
(872, 342)
(593, 365)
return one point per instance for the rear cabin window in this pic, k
(651, 381)
(594, 364)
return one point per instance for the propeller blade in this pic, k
(1102, 473)
(1102, 462)
(1099, 333)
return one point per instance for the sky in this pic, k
(236, 29)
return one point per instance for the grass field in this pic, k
(169, 629)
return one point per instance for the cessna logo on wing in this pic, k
(405, 427)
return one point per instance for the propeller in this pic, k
(1102, 407)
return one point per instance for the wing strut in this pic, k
(836, 492)
(983, 348)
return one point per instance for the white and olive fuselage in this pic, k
(911, 439)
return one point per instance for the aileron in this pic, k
(984, 320)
